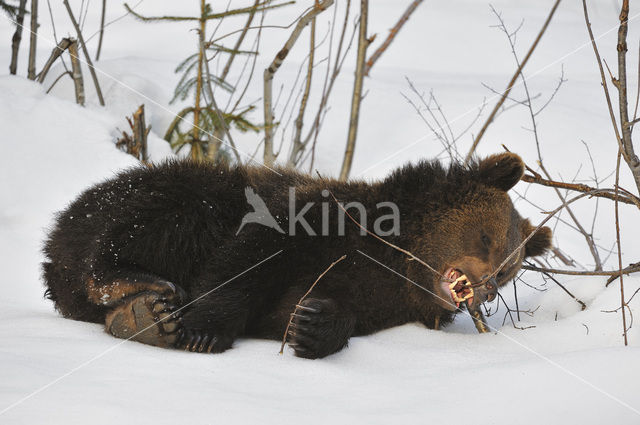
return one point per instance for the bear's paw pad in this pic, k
(149, 318)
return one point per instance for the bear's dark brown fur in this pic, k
(132, 250)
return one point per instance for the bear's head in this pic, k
(476, 229)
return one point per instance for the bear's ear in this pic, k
(502, 170)
(539, 243)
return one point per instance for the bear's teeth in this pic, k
(462, 278)
(469, 295)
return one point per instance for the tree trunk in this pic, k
(76, 73)
(92, 71)
(31, 71)
(17, 38)
(197, 153)
(363, 42)
(104, 11)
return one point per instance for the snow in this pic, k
(570, 368)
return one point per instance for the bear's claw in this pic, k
(201, 341)
(309, 309)
(318, 328)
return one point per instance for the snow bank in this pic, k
(569, 368)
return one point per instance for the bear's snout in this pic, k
(487, 292)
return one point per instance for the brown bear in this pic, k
(194, 255)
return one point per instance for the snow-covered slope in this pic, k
(570, 368)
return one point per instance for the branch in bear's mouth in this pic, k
(295, 310)
(478, 318)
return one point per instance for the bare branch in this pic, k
(633, 268)
(632, 162)
(512, 82)
(217, 110)
(55, 54)
(630, 156)
(250, 9)
(58, 78)
(582, 304)
(578, 187)
(327, 87)
(297, 146)
(392, 34)
(236, 47)
(269, 72)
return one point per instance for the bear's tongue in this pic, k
(460, 287)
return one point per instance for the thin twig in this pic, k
(215, 106)
(58, 78)
(269, 72)
(621, 143)
(512, 82)
(236, 47)
(297, 146)
(328, 84)
(579, 187)
(532, 114)
(508, 312)
(576, 299)
(633, 268)
(241, 11)
(392, 34)
(622, 300)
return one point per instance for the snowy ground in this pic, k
(570, 368)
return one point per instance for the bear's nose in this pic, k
(492, 288)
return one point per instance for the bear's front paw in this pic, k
(203, 341)
(319, 328)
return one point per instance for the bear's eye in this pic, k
(486, 240)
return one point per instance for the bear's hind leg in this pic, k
(147, 317)
(139, 306)
(320, 327)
